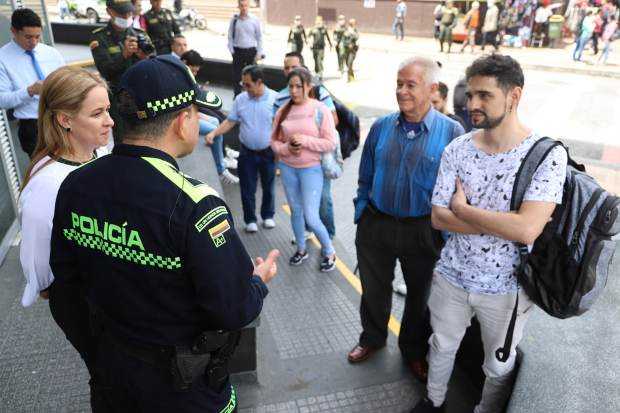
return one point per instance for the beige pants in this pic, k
(451, 311)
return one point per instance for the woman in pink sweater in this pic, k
(303, 130)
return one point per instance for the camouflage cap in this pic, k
(120, 6)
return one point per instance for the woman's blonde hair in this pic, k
(64, 91)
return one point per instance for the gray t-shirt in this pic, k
(479, 263)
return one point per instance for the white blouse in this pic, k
(36, 204)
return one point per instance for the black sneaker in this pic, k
(328, 264)
(426, 406)
(298, 258)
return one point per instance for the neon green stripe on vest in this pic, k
(195, 192)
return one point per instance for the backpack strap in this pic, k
(535, 156)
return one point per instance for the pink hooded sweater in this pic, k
(302, 120)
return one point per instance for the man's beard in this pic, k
(487, 122)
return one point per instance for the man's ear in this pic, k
(434, 87)
(515, 97)
(181, 123)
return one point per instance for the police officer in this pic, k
(297, 36)
(161, 27)
(319, 34)
(115, 48)
(157, 256)
(349, 41)
(341, 27)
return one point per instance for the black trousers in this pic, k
(134, 385)
(241, 59)
(70, 311)
(380, 241)
(490, 37)
(27, 134)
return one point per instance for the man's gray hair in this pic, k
(431, 68)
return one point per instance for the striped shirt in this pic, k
(398, 169)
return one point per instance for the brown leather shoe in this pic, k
(360, 353)
(419, 369)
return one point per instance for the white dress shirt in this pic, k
(17, 73)
(36, 204)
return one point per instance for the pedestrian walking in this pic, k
(398, 27)
(449, 15)
(350, 41)
(437, 18)
(471, 199)
(392, 211)
(326, 211)
(75, 126)
(490, 27)
(587, 28)
(472, 20)
(319, 34)
(168, 281)
(253, 111)
(24, 64)
(303, 130)
(297, 36)
(338, 35)
(245, 42)
(607, 38)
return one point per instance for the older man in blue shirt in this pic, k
(253, 111)
(397, 173)
(24, 64)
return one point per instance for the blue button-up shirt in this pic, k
(255, 118)
(17, 73)
(398, 169)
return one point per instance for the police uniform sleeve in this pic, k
(63, 260)
(108, 58)
(220, 267)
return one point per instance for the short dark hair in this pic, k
(443, 90)
(151, 128)
(506, 71)
(25, 18)
(297, 55)
(192, 58)
(254, 71)
(178, 36)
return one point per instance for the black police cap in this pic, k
(163, 84)
(120, 6)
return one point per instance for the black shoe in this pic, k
(328, 264)
(426, 406)
(298, 258)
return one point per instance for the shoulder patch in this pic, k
(210, 217)
(196, 192)
(217, 233)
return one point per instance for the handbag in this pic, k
(331, 161)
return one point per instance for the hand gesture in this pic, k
(266, 269)
(458, 198)
(209, 137)
(130, 46)
(35, 88)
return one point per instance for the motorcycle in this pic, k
(190, 18)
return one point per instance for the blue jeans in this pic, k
(326, 210)
(217, 148)
(250, 165)
(303, 188)
(579, 46)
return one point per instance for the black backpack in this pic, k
(348, 125)
(567, 269)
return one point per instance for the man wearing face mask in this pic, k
(115, 48)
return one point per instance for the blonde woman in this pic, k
(73, 124)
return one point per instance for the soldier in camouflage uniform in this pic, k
(318, 34)
(115, 49)
(297, 36)
(349, 40)
(161, 27)
(339, 30)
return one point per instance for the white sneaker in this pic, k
(228, 178)
(230, 163)
(251, 227)
(401, 289)
(231, 153)
(269, 223)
